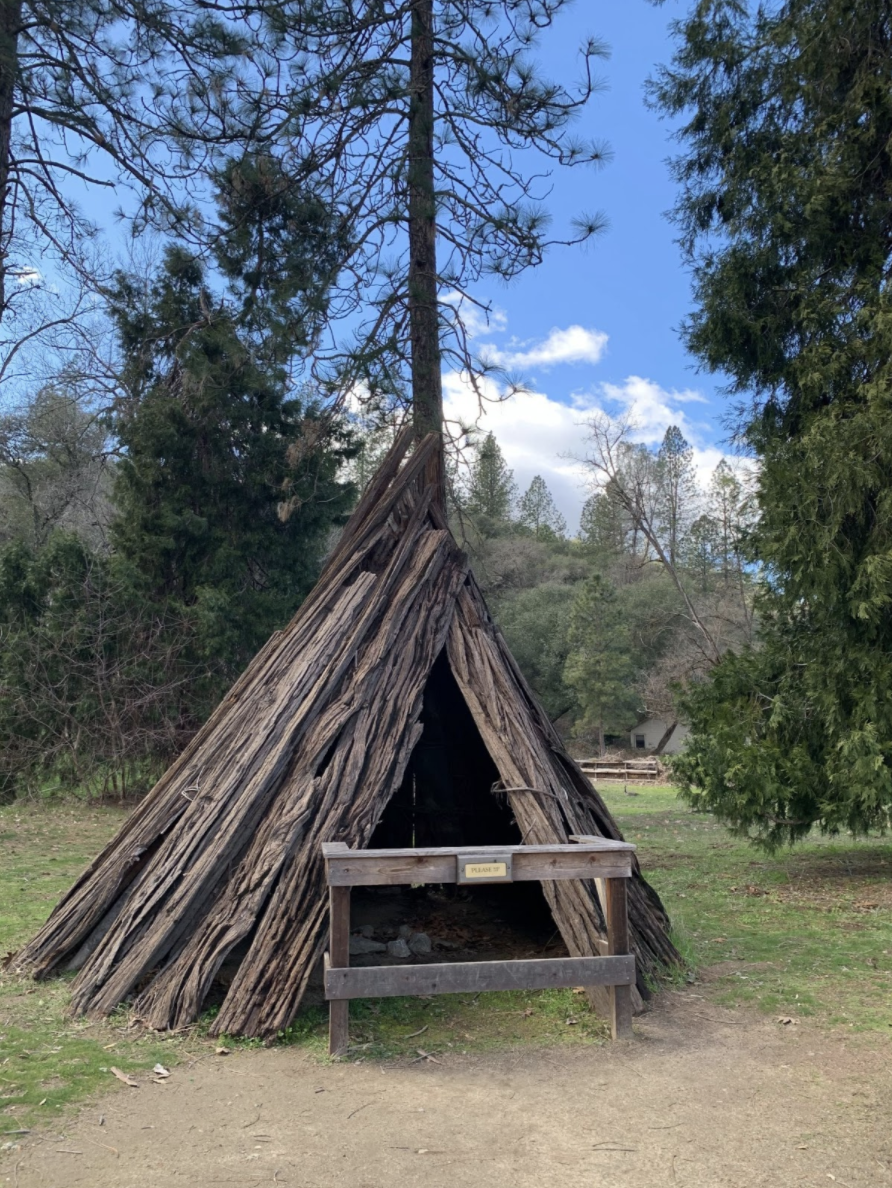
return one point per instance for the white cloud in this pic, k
(28, 275)
(650, 408)
(540, 435)
(573, 345)
(478, 319)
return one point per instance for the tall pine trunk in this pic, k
(427, 388)
(10, 27)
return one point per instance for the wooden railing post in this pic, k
(339, 956)
(618, 946)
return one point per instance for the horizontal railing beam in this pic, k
(364, 869)
(474, 977)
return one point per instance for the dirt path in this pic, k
(703, 1098)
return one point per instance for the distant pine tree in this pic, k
(677, 487)
(538, 512)
(599, 667)
(492, 493)
(601, 527)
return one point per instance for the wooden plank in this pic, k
(473, 977)
(591, 843)
(360, 869)
(339, 951)
(617, 946)
(334, 848)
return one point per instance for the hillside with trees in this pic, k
(620, 617)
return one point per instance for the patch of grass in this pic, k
(391, 1028)
(804, 932)
(47, 1059)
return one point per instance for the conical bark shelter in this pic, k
(310, 745)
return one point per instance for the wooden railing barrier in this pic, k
(609, 862)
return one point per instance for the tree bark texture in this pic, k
(10, 26)
(309, 746)
(427, 384)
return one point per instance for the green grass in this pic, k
(417, 1028)
(806, 932)
(47, 1059)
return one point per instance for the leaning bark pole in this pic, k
(222, 858)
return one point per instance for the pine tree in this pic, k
(727, 514)
(677, 490)
(278, 246)
(538, 512)
(701, 552)
(422, 118)
(601, 527)
(600, 668)
(491, 496)
(227, 488)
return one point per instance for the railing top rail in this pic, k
(579, 845)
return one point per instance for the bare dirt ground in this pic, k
(702, 1098)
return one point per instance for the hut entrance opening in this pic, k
(447, 798)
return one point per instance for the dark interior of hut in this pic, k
(450, 797)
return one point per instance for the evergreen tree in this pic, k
(491, 496)
(726, 503)
(538, 512)
(226, 491)
(278, 246)
(785, 217)
(224, 498)
(677, 490)
(701, 552)
(600, 668)
(601, 527)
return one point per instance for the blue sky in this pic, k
(628, 289)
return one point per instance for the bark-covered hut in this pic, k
(392, 674)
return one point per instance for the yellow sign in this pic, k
(486, 870)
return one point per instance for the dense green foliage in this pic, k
(214, 471)
(98, 687)
(784, 214)
(600, 667)
(536, 622)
